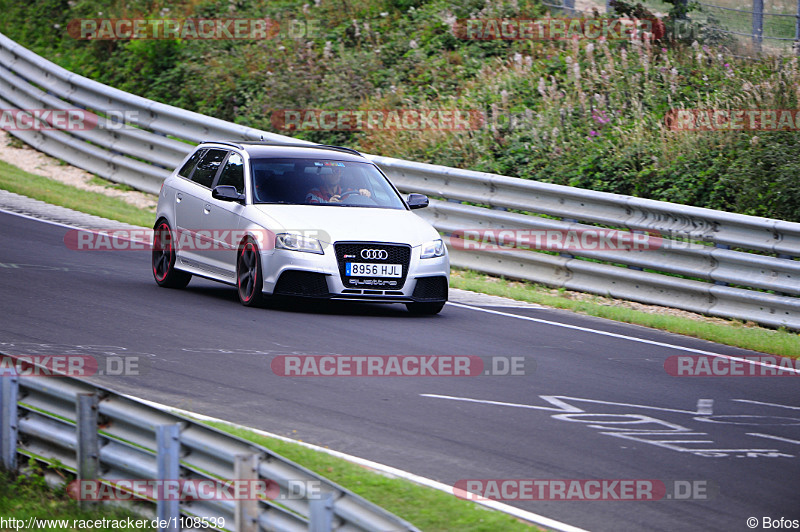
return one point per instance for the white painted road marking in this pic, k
(563, 406)
(771, 437)
(766, 404)
(624, 425)
(625, 337)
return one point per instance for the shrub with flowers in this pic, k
(586, 113)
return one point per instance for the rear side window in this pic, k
(186, 171)
(233, 173)
(208, 166)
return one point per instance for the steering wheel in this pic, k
(349, 193)
(354, 197)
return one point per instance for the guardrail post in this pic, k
(245, 467)
(168, 463)
(784, 255)
(568, 255)
(721, 246)
(631, 267)
(156, 164)
(797, 30)
(758, 24)
(88, 448)
(9, 392)
(321, 519)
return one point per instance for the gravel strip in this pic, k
(34, 208)
(36, 162)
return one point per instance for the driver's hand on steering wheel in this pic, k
(365, 192)
(335, 199)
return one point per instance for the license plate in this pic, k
(362, 269)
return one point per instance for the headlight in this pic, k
(297, 243)
(434, 248)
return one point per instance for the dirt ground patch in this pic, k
(23, 156)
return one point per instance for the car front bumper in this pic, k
(419, 284)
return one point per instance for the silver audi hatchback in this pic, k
(307, 221)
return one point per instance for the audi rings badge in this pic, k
(374, 254)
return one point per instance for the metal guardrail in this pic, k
(758, 280)
(714, 267)
(98, 434)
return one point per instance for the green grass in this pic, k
(38, 187)
(108, 184)
(428, 509)
(27, 495)
(736, 333)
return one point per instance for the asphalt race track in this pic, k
(591, 405)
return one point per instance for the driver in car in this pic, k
(331, 190)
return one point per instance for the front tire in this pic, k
(425, 309)
(163, 259)
(249, 281)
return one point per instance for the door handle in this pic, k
(207, 209)
(178, 197)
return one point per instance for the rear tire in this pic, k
(249, 281)
(425, 309)
(163, 259)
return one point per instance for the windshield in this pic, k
(322, 182)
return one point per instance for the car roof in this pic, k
(262, 149)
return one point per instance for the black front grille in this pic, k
(298, 283)
(351, 252)
(430, 289)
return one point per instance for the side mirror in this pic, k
(227, 193)
(417, 201)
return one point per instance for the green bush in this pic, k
(587, 114)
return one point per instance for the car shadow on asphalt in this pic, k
(308, 305)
